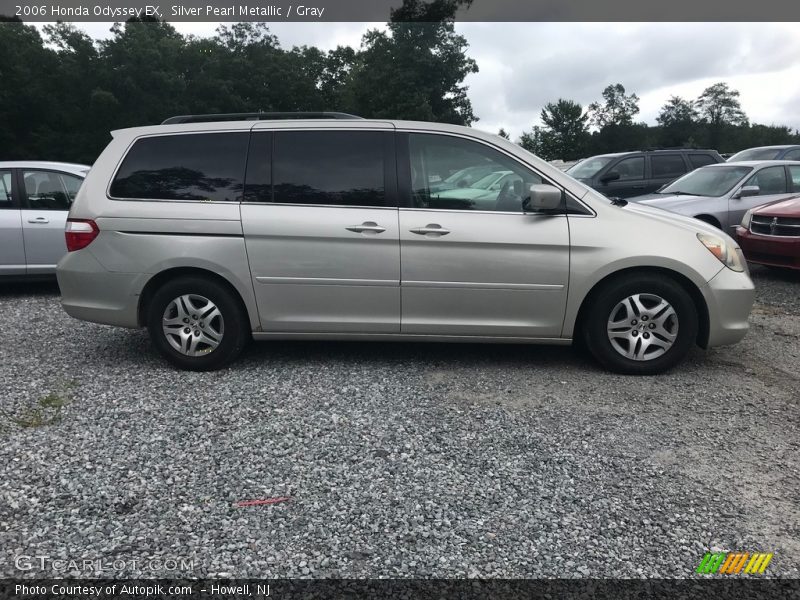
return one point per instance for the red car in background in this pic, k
(770, 234)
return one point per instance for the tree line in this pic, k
(62, 92)
(714, 119)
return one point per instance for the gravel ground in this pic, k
(404, 460)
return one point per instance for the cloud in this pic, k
(523, 66)
(542, 62)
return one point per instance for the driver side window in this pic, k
(630, 168)
(454, 173)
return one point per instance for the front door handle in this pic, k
(39, 221)
(368, 227)
(431, 229)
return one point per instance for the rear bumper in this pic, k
(91, 293)
(769, 249)
(729, 297)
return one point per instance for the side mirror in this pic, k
(749, 190)
(610, 176)
(543, 197)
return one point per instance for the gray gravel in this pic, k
(402, 460)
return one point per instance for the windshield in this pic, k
(586, 169)
(707, 181)
(468, 175)
(489, 180)
(756, 154)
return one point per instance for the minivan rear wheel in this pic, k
(641, 325)
(197, 324)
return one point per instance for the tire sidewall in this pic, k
(233, 339)
(596, 328)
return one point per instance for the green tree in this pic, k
(503, 134)
(566, 130)
(719, 105)
(415, 69)
(721, 113)
(678, 121)
(27, 95)
(617, 108)
(532, 142)
(677, 111)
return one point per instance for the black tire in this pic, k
(607, 303)
(232, 318)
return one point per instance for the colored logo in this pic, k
(734, 563)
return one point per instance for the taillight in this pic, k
(80, 233)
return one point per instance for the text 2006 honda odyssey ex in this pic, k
(210, 231)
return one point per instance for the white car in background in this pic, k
(35, 197)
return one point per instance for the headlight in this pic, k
(746, 219)
(723, 250)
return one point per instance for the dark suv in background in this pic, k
(628, 174)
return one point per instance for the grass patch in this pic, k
(47, 409)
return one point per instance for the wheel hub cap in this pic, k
(642, 327)
(193, 325)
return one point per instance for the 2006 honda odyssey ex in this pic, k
(211, 231)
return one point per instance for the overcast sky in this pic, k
(525, 65)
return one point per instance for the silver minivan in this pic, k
(211, 232)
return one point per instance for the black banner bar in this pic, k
(405, 589)
(378, 10)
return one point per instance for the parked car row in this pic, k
(211, 233)
(629, 174)
(742, 196)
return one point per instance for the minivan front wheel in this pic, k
(196, 323)
(641, 325)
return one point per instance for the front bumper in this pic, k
(91, 293)
(777, 251)
(729, 296)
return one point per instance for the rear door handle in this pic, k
(39, 221)
(369, 227)
(431, 229)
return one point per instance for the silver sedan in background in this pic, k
(35, 197)
(720, 194)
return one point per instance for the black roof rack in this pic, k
(256, 116)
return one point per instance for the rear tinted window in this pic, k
(667, 165)
(701, 160)
(344, 168)
(205, 167)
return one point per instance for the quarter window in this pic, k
(453, 173)
(792, 155)
(5, 189)
(700, 160)
(202, 167)
(340, 168)
(668, 165)
(770, 180)
(46, 190)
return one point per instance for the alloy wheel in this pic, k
(642, 327)
(193, 325)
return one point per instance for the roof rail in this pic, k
(256, 116)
